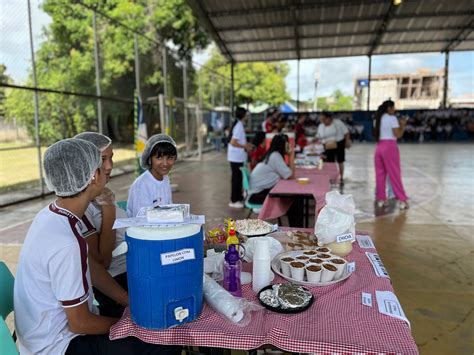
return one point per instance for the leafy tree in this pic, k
(253, 82)
(65, 61)
(336, 102)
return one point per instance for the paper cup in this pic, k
(324, 256)
(310, 253)
(323, 250)
(297, 270)
(313, 272)
(328, 272)
(302, 258)
(285, 265)
(316, 261)
(341, 265)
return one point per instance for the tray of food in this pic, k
(286, 298)
(296, 240)
(253, 227)
(312, 267)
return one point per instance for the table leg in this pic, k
(306, 211)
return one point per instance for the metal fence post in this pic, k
(36, 101)
(161, 101)
(137, 68)
(167, 102)
(185, 94)
(100, 125)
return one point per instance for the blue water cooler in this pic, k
(165, 275)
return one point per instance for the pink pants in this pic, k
(387, 161)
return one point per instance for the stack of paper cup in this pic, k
(261, 275)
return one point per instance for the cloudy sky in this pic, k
(334, 73)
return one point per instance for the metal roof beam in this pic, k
(342, 34)
(295, 28)
(198, 10)
(382, 28)
(368, 44)
(461, 36)
(304, 6)
(337, 20)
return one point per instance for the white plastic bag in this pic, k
(235, 309)
(336, 218)
(275, 247)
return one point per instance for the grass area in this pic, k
(19, 167)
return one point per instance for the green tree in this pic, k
(65, 61)
(336, 102)
(254, 82)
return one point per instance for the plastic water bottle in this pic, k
(261, 275)
(232, 270)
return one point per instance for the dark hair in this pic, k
(378, 117)
(163, 149)
(258, 138)
(240, 112)
(278, 144)
(327, 114)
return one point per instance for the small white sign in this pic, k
(367, 299)
(365, 242)
(178, 256)
(377, 264)
(389, 305)
(351, 267)
(346, 237)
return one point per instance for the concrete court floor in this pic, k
(428, 250)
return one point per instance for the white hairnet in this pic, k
(100, 140)
(150, 144)
(70, 165)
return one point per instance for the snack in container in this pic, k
(286, 298)
(313, 272)
(302, 258)
(285, 265)
(328, 272)
(297, 270)
(340, 264)
(303, 180)
(253, 227)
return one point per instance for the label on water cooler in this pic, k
(178, 256)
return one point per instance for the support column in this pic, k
(100, 123)
(368, 84)
(446, 85)
(167, 127)
(36, 101)
(137, 67)
(298, 87)
(232, 90)
(185, 94)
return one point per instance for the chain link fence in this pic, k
(58, 81)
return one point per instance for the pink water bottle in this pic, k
(232, 270)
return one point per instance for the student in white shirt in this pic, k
(101, 214)
(387, 156)
(335, 137)
(54, 313)
(237, 156)
(153, 187)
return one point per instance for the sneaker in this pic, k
(403, 205)
(237, 204)
(381, 203)
(256, 210)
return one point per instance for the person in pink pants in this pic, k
(387, 156)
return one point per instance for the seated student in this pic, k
(257, 155)
(271, 170)
(153, 188)
(54, 313)
(101, 214)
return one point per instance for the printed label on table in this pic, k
(175, 257)
(367, 299)
(346, 237)
(365, 242)
(377, 264)
(389, 305)
(351, 267)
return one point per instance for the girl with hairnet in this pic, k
(101, 214)
(153, 187)
(54, 312)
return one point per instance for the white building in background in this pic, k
(421, 90)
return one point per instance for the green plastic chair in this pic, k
(6, 290)
(7, 343)
(246, 184)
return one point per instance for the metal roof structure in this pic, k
(272, 30)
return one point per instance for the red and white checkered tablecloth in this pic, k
(274, 207)
(337, 322)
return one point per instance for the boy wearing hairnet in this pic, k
(153, 188)
(54, 313)
(101, 214)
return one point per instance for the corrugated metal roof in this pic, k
(267, 30)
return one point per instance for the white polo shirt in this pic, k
(235, 154)
(118, 264)
(52, 274)
(147, 191)
(387, 124)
